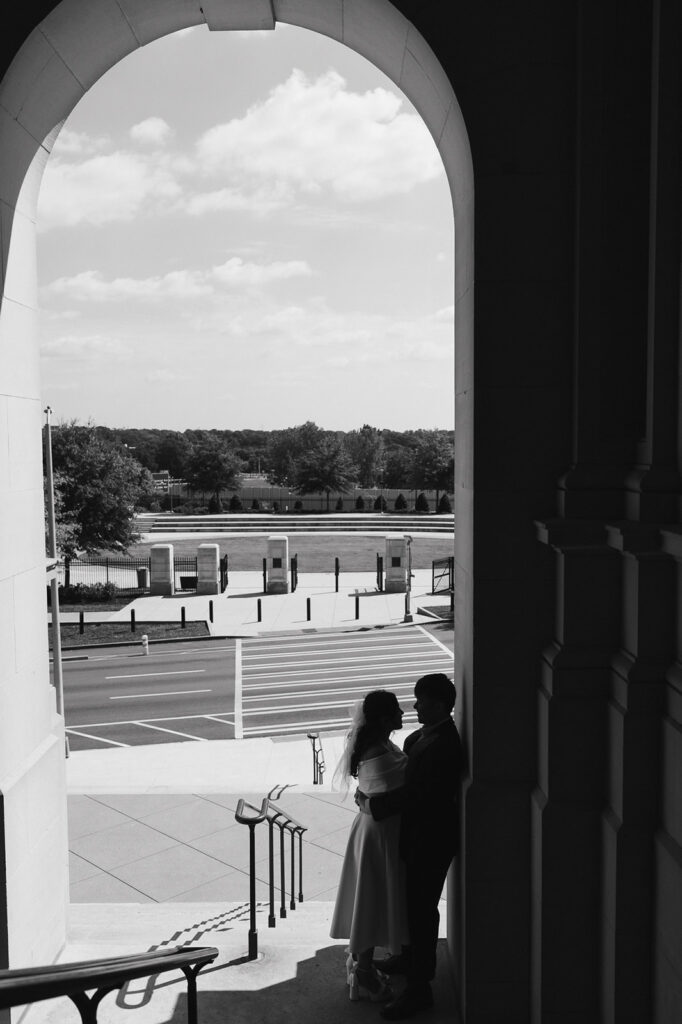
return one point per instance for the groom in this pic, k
(429, 826)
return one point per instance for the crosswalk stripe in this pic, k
(402, 669)
(419, 646)
(329, 693)
(374, 676)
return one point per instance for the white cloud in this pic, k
(153, 131)
(77, 347)
(317, 134)
(91, 286)
(162, 376)
(70, 143)
(261, 200)
(236, 272)
(102, 189)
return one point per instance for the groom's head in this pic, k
(435, 696)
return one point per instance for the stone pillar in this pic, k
(278, 564)
(162, 575)
(395, 565)
(208, 573)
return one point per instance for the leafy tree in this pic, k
(422, 504)
(215, 505)
(434, 461)
(367, 450)
(99, 485)
(400, 503)
(173, 453)
(399, 468)
(212, 466)
(235, 503)
(287, 448)
(326, 468)
(444, 503)
(379, 503)
(359, 503)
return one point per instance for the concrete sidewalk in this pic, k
(235, 612)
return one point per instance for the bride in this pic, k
(370, 907)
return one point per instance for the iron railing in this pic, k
(129, 575)
(443, 575)
(185, 573)
(34, 984)
(274, 816)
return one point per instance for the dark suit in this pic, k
(429, 834)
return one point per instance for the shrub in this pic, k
(298, 505)
(235, 503)
(359, 503)
(444, 503)
(400, 503)
(85, 593)
(215, 505)
(275, 506)
(422, 503)
(339, 504)
(255, 505)
(379, 503)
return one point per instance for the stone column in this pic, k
(162, 575)
(395, 565)
(208, 573)
(278, 564)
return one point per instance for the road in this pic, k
(290, 684)
(177, 692)
(266, 686)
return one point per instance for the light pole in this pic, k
(54, 585)
(408, 586)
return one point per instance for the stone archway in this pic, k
(62, 57)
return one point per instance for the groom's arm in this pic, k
(383, 805)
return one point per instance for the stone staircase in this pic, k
(268, 522)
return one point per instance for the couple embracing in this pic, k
(401, 843)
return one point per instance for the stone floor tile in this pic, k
(231, 887)
(79, 869)
(138, 805)
(104, 888)
(191, 820)
(87, 816)
(321, 870)
(169, 872)
(121, 844)
(318, 816)
(335, 842)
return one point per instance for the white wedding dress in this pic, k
(370, 905)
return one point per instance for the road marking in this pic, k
(168, 693)
(316, 681)
(174, 732)
(432, 661)
(238, 720)
(363, 659)
(407, 687)
(148, 675)
(136, 721)
(335, 724)
(431, 637)
(221, 721)
(100, 739)
(418, 646)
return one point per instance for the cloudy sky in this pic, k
(246, 230)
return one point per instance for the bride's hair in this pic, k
(376, 708)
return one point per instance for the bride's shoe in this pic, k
(350, 967)
(376, 992)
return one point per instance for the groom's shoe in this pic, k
(397, 964)
(410, 1002)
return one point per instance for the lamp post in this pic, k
(54, 587)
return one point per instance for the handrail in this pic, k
(319, 766)
(274, 815)
(32, 984)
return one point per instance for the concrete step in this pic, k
(265, 523)
(298, 976)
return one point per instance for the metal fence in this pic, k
(186, 573)
(443, 575)
(129, 575)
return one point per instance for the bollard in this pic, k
(265, 576)
(132, 620)
(182, 616)
(81, 622)
(145, 644)
(308, 608)
(260, 611)
(357, 606)
(336, 572)
(210, 611)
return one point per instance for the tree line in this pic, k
(102, 475)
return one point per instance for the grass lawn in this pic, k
(120, 632)
(316, 553)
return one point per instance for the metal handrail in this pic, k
(319, 766)
(34, 984)
(274, 815)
